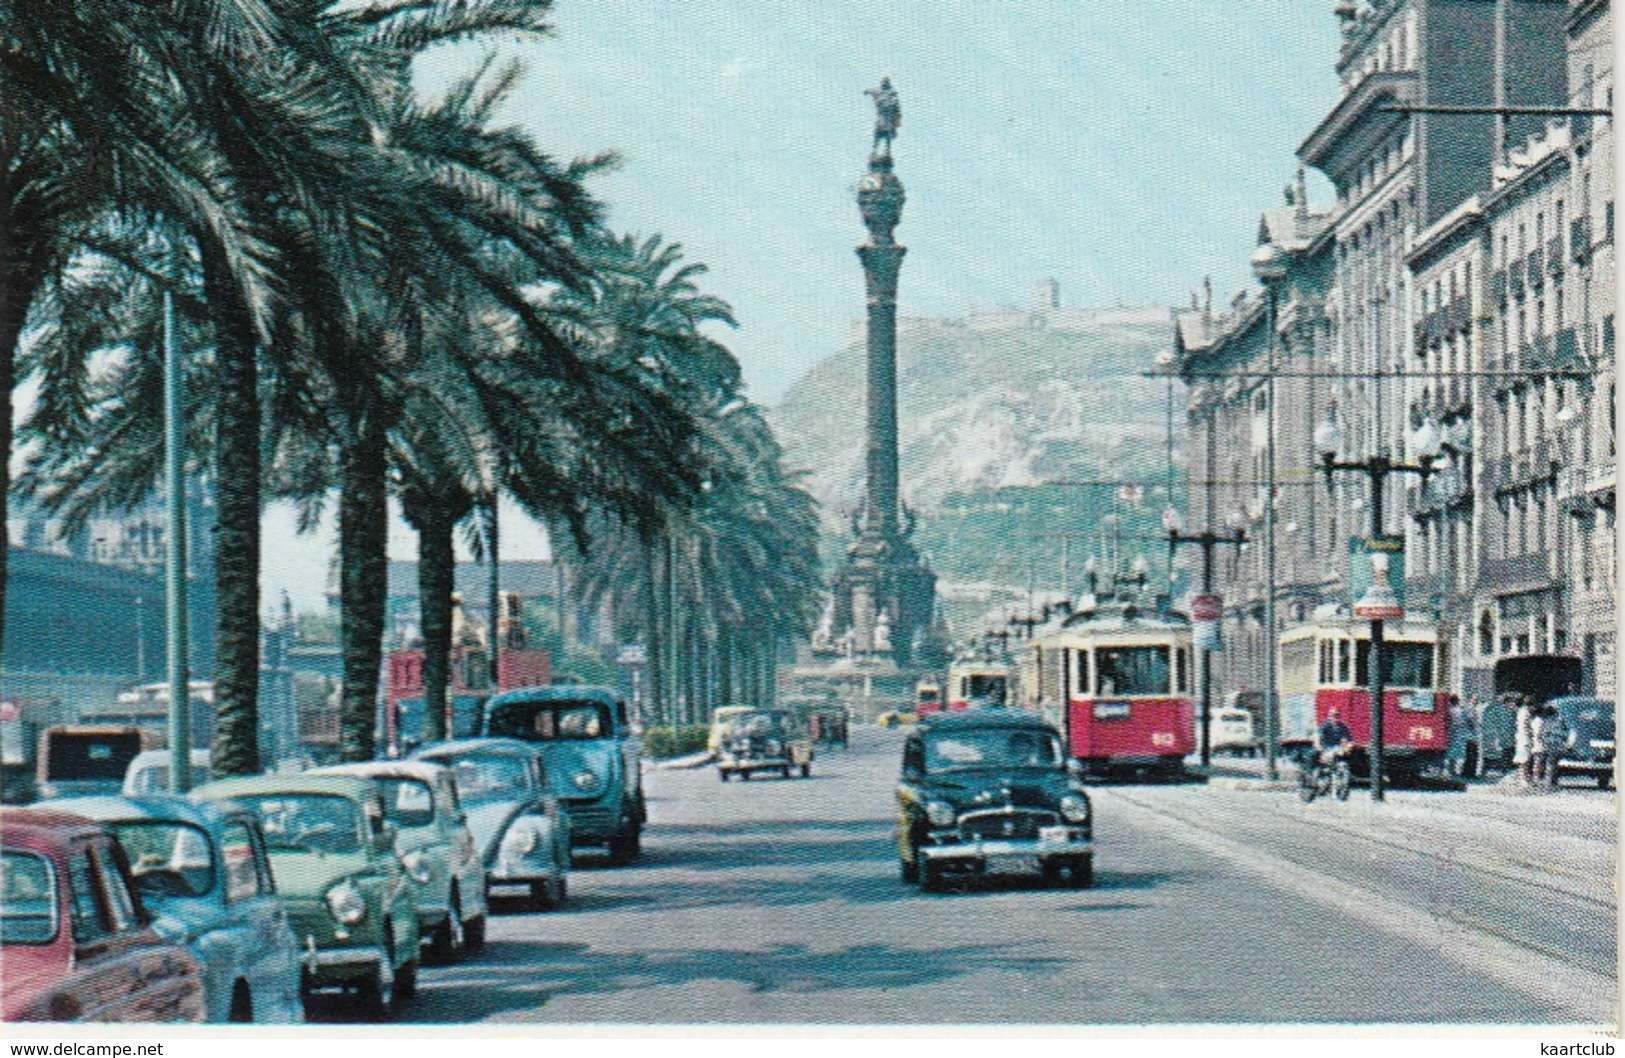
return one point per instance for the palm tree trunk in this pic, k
(13, 311)
(363, 588)
(654, 642)
(725, 666)
(437, 579)
(237, 539)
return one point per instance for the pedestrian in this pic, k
(1537, 748)
(1554, 737)
(1523, 743)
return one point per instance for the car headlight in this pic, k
(345, 903)
(417, 866)
(941, 813)
(520, 840)
(586, 782)
(1075, 808)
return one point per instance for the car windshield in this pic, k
(550, 721)
(759, 725)
(27, 899)
(167, 858)
(308, 822)
(991, 748)
(483, 778)
(407, 802)
(154, 778)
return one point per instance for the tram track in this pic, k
(1471, 930)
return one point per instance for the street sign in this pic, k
(1377, 577)
(1206, 610)
(633, 654)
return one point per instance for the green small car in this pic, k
(337, 874)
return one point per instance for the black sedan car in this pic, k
(991, 790)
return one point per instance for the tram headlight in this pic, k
(941, 813)
(1075, 808)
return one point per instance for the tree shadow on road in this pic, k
(519, 978)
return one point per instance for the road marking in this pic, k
(1554, 982)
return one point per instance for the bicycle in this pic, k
(1326, 777)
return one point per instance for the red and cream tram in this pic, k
(978, 683)
(927, 698)
(1327, 664)
(1117, 680)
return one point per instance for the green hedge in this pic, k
(680, 741)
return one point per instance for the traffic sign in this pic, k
(1206, 607)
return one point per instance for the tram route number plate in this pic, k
(1052, 835)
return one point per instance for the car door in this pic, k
(123, 971)
(267, 952)
(464, 856)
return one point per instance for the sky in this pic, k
(1122, 147)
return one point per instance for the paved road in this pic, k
(779, 901)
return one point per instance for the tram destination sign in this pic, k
(1377, 577)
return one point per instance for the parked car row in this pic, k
(243, 900)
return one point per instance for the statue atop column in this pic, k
(888, 115)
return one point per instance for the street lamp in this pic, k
(1270, 266)
(1207, 540)
(1379, 601)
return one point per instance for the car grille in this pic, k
(1013, 824)
(589, 818)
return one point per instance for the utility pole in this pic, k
(1207, 540)
(180, 711)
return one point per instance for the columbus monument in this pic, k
(884, 595)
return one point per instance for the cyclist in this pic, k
(1332, 738)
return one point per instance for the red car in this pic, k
(78, 945)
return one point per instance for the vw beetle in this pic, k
(340, 881)
(202, 869)
(592, 755)
(991, 789)
(436, 849)
(520, 832)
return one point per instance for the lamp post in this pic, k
(1207, 540)
(1270, 266)
(178, 649)
(1379, 600)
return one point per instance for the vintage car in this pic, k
(148, 773)
(202, 870)
(593, 758)
(339, 880)
(436, 848)
(1590, 752)
(721, 720)
(765, 740)
(521, 832)
(982, 790)
(1232, 732)
(83, 760)
(75, 940)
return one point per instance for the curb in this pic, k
(1229, 782)
(693, 760)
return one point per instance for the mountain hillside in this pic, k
(993, 411)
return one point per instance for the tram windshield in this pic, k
(988, 687)
(1403, 664)
(1132, 670)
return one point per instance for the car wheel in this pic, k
(242, 1005)
(1083, 872)
(474, 934)
(722, 773)
(545, 896)
(931, 876)
(406, 981)
(1050, 870)
(744, 775)
(784, 772)
(806, 771)
(450, 938)
(378, 995)
(625, 846)
(1604, 781)
(909, 871)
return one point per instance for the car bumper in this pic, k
(327, 967)
(1003, 848)
(1586, 767)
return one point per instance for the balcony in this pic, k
(1566, 349)
(1535, 267)
(1457, 316)
(1580, 238)
(1539, 354)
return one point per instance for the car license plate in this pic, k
(1011, 864)
(1052, 835)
